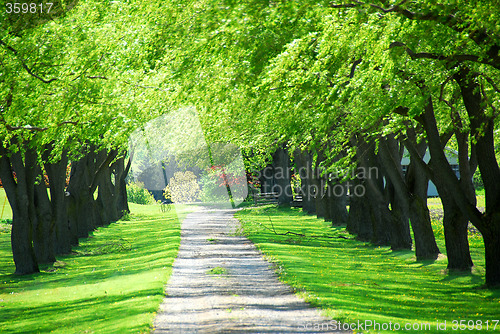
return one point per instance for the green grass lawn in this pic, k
(113, 283)
(5, 210)
(352, 280)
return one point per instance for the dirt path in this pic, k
(241, 295)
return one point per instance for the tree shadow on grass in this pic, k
(98, 311)
(460, 275)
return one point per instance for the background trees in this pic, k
(361, 81)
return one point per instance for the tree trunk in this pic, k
(492, 253)
(353, 215)
(20, 195)
(337, 202)
(482, 127)
(303, 165)
(318, 196)
(454, 222)
(455, 236)
(21, 240)
(81, 209)
(321, 183)
(417, 184)
(309, 199)
(409, 198)
(106, 203)
(379, 209)
(121, 173)
(425, 241)
(282, 177)
(399, 222)
(326, 203)
(362, 213)
(359, 221)
(381, 216)
(56, 173)
(44, 229)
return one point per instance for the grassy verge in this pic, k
(352, 280)
(112, 283)
(5, 210)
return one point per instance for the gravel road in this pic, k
(221, 284)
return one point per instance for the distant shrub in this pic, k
(215, 181)
(137, 194)
(6, 221)
(212, 190)
(478, 181)
(183, 188)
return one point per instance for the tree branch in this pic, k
(97, 77)
(479, 36)
(450, 59)
(353, 68)
(105, 164)
(399, 10)
(30, 72)
(8, 103)
(347, 5)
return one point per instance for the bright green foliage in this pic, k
(77, 78)
(266, 73)
(113, 283)
(351, 280)
(219, 56)
(136, 193)
(183, 188)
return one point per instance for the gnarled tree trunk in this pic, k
(359, 221)
(80, 201)
(21, 193)
(44, 227)
(56, 172)
(121, 171)
(106, 196)
(410, 194)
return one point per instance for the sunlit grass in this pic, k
(352, 280)
(113, 283)
(5, 210)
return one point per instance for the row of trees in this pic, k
(351, 85)
(72, 88)
(48, 222)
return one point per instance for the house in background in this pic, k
(452, 157)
